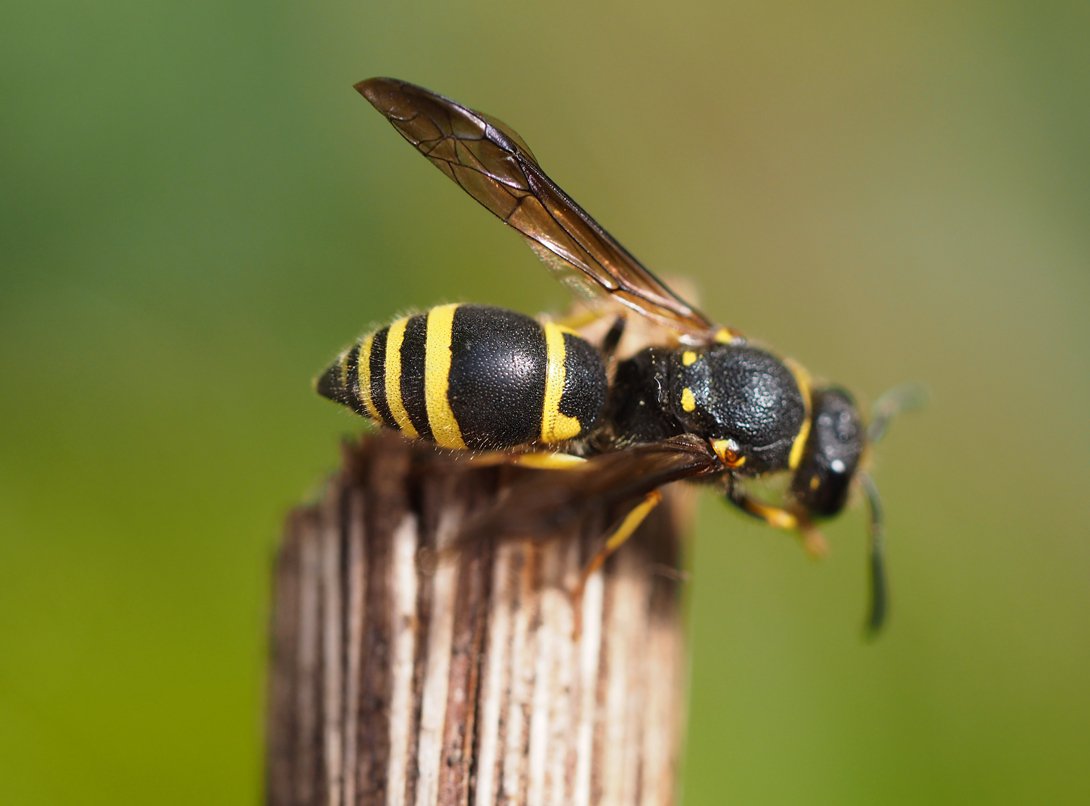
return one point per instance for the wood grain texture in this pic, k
(399, 679)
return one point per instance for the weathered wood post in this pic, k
(396, 679)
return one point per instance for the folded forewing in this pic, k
(491, 163)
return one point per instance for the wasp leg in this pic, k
(539, 460)
(583, 319)
(613, 337)
(616, 539)
(780, 518)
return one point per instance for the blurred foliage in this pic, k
(198, 212)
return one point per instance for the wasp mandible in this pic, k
(704, 403)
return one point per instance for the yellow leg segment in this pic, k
(539, 460)
(625, 530)
(780, 518)
(580, 319)
(585, 318)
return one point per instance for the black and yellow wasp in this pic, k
(703, 404)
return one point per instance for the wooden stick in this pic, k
(401, 681)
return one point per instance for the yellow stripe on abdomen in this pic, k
(555, 425)
(437, 357)
(363, 377)
(394, 337)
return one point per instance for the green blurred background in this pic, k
(198, 212)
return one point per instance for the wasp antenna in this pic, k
(879, 591)
(896, 401)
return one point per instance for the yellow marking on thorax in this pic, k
(363, 377)
(688, 358)
(555, 425)
(726, 335)
(437, 358)
(394, 338)
(688, 402)
(802, 378)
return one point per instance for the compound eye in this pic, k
(729, 453)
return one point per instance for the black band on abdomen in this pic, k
(497, 376)
(413, 351)
(378, 377)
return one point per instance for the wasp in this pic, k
(703, 403)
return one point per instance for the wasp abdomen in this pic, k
(472, 376)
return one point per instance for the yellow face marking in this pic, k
(444, 425)
(394, 339)
(363, 377)
(802, 378)
(688, 358)
(555, 425)
(688, 402)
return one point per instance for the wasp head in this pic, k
(831, 456)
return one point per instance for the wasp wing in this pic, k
(546, 502)
(491, 163)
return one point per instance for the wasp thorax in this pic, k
(742, 394)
